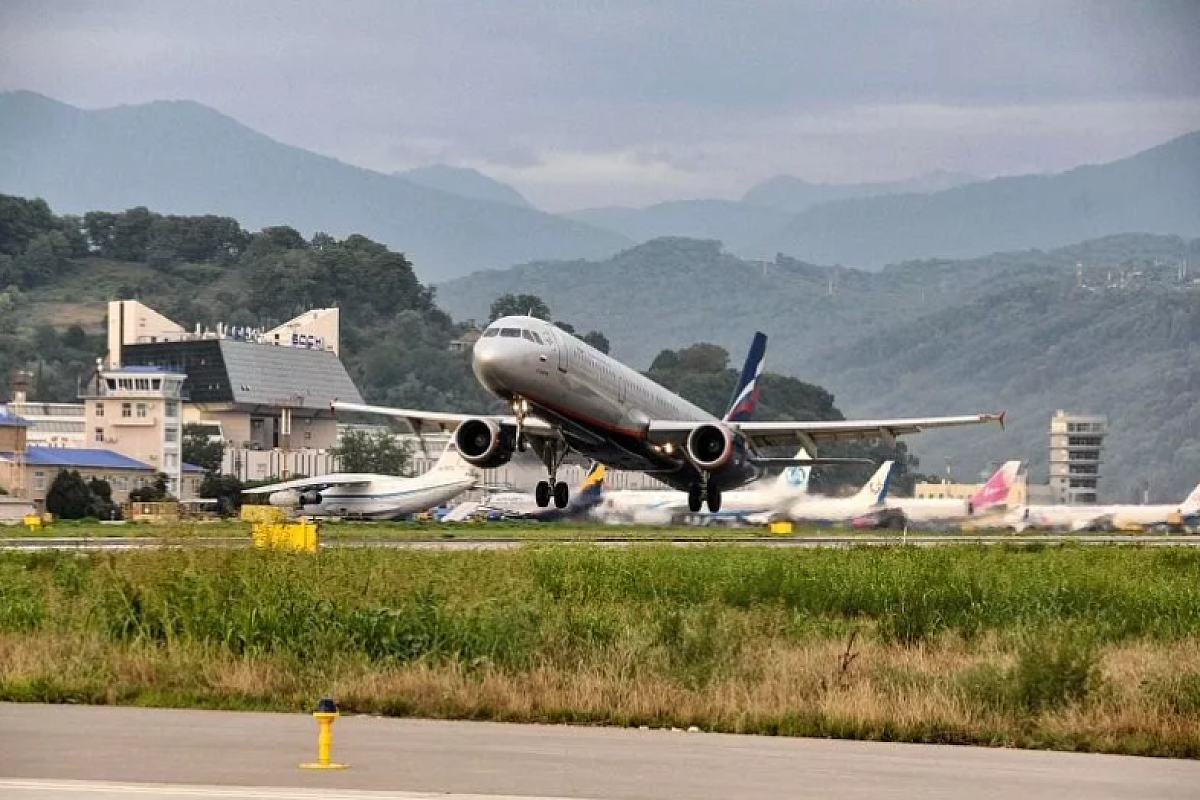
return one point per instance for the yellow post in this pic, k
(325, 714)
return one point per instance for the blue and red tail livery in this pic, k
(745, 394)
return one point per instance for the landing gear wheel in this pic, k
(714, 498)
(695, 498)
(541, 494)
(561, 495)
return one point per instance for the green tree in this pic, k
(102, 505)
(225, 489)
(381, 453)
(597, 340)
(507, 305)
(202, 450)
(68, 496)
(155, 492)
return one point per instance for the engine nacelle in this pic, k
(483, 443)
(710, 446)
(285, 499)
(311, 498)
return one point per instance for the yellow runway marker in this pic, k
(325, 714)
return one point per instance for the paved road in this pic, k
(212, 748)
(89, 544)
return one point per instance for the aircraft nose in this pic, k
(489, 362)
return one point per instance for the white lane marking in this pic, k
(18, 789)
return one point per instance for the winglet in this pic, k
(1000, 419)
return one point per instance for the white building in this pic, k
(1076, 441)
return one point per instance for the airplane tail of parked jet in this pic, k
(451, 462)
(745, 393)
(876, 489)
(995, 491)
(1191, 503)
(794, 480)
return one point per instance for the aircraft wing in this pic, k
(424, 421)
(337, 479)
(810, 434)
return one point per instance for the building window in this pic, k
(141, 410)
(100, 435)
(112, 384)
(156, 384)
(172, 410)
(171, 434)
(99, 409)
(39, 481)
(170, 461)
(126, 409)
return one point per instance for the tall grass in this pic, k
(948, 644)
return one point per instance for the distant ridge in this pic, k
(465, 182)
(183, 157)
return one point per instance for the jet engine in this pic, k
(290, 498)
(285, 499)
(710, 446)
(483, 443)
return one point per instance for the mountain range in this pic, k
(1108, 326)
(182, 157)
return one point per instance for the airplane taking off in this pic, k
(565, 395)
(1078, 518)
(370, 496)
(938, 510)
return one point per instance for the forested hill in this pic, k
(58, 272)
(1108, 325)
(185, 158)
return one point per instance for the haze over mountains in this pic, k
(183, 157)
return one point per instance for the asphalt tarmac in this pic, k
(104, 752)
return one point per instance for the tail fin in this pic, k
(1191, 504)
(995, 491)
(745, 394)
(794, 480)
(452, 461)
(592, 484)
(876, 488)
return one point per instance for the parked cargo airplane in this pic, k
(567, 396)
(370, 496)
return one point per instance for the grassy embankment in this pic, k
(1076, 648)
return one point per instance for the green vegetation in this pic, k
(359, 451)
(1090, 649)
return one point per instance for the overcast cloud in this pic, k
(600, 103)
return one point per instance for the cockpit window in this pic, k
(491, 332)
(510, 333)
(527, 335)
(536, 338)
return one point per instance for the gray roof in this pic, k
(267, 375)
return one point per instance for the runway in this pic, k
(118, 543)
(103, 752)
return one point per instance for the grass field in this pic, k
(1076, 648)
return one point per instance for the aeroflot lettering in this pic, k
(307, 340)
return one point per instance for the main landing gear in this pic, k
(699, 493)
(553, 454)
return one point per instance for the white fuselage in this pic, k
(655, 507)
(387, 498)
(603, 407)
(929, 509)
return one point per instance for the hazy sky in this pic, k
(598, 103)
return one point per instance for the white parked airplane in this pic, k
(932, 511)
(868, 500)
(566, 395)
(655, 507)
(370, 496)
(1078, 518)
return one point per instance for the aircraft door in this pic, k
(564, 346)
